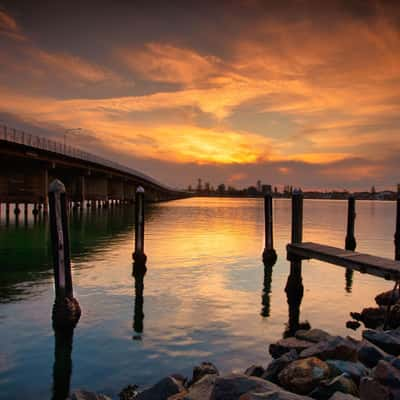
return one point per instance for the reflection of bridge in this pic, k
(29, 162)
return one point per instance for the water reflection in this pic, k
(204, 264)
(62, 368)
(266, 296)
(30, 263)
(294, 291)
(139, 272)
(349, 280)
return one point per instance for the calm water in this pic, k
(205, 293)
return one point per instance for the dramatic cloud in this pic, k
(293, 93)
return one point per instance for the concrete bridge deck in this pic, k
(28, 163)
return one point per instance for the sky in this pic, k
(305, 93)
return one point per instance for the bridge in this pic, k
(29, 162)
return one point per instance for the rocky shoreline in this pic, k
(310, 364)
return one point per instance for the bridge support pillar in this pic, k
(82, 191)
(45, 196)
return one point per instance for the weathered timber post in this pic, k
(350, 243)
(294, 287)
(35, 210)
(7, 210)
(397, 234)
(138, 256)
(269, 254)
(25, 211)
(66, 309)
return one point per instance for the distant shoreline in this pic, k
(321, 196)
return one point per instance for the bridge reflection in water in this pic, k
(205, 289)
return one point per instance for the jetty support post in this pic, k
(397, 234)
(269, 254)
(294, 287)
(139, 257)
(66, 309)
(350, 242)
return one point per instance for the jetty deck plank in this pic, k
(377, 266)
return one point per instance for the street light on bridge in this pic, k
(65, 136)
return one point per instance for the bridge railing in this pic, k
(42, 143)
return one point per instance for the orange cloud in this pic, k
(162, 62)
(9, 27)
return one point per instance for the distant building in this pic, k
(266, 189)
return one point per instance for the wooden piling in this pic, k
(297, 216)
(350, 242)
(17, 210)
(397, 234)
(139, 256)
(269, 254)
(294, 287)
(66, 310)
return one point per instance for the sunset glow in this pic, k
(278, 93)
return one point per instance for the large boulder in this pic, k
(278, 394)
(385, 298)
(302, 376)
(336, 348)
(205, 368)
(355, 370)
(128, 392)
(162, 390)
(329, 387)
(372, 389)
(387, 374)
(388, 341)
(202, 389)
(284, 345)
(255, 370)
(312, 335)
(85, 395)
(277, 365)
(342, 396)
(231, 387)
(369, 354)
(394, 317)
(373, 317)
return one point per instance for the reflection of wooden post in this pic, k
(269, 254)
(66, 311)
(139, 273)
(294, 286)
(138, 255)
(62, 367)
(397, 234)
(351, 216)
(266, 300)
(350, 242)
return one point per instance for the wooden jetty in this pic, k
(348, 258)
(365, 263)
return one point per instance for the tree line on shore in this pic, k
(258, 190)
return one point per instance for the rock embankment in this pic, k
(310, 365)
